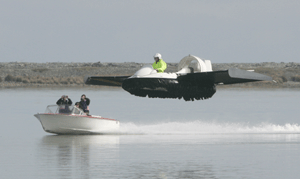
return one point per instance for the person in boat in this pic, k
(77, 111)
(77, 104)
(159, 65)
(84, 104)
(64, 102)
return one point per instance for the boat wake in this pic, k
(199, 127)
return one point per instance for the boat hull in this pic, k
(77, 124)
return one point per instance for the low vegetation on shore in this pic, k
(21, 74)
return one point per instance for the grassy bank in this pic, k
(17, 74)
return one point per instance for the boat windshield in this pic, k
(64, 109)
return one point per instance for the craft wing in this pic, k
(230, 76)
(105, 80)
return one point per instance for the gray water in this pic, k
(238, 134)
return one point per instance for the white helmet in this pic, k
(157, 55)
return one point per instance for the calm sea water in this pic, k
(238, 134)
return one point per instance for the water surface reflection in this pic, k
(78, 156)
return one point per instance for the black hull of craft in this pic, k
(168, 88)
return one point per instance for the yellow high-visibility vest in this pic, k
(160, 66)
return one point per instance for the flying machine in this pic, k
(194, 80)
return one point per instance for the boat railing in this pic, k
(64, 109)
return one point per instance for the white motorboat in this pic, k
(72, 120)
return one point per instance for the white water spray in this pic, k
(199, 127)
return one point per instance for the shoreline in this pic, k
(62, 75)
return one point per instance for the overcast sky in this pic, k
(134, 30)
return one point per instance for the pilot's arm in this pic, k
(162, 66)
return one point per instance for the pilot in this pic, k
(159, 65)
